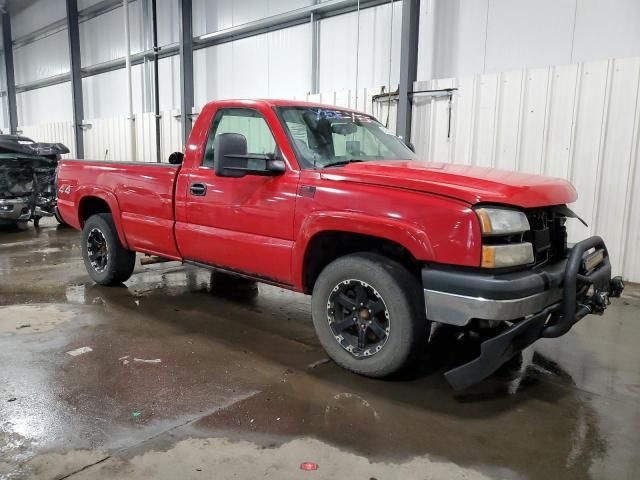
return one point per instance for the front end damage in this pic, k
(543, 301)
(27, 179)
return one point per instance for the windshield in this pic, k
(325, 137)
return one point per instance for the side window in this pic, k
(244, 121)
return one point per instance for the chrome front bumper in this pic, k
(15, 209)
(456, 297)
(459, 310)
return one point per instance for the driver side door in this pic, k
(243, 224)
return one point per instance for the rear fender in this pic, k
(82, 193)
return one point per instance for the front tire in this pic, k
(369, 315)
(106, 260)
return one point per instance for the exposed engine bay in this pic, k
(28, 179)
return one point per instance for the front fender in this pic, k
(408, 235)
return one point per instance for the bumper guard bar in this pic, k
(553, 321)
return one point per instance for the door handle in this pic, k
(198, 189)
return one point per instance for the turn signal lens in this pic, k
(500, 256)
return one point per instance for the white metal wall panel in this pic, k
(289, 61)
(338, 38)
(508, 123)
(107, 139)
(485, 131)
(171, 133)
(105, 95)
(56, 132)
(616, 175)
(275, 64)
(102, 38)
(578, 122)
(593, 94)
(536, 32)
(169, 73)
(460, 38)
(168, 21)
(452, 38)
(41, 59)
(558, 139)
(606, 29)
(44, 105)
(534, 119)
(35, 15)
(211, 16)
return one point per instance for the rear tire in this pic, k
(106, 260)
(386, 301)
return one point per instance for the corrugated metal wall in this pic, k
(55, 132)
(578, 122)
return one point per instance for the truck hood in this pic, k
(470, 184)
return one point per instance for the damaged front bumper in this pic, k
(542, 303)
(14, 210)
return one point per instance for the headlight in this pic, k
(507, 252)
(501, 221)
(509, 255)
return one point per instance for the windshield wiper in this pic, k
(342, 163)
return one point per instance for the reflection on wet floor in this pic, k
(179, 353)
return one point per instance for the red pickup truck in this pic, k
(326, 201)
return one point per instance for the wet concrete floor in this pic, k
(179, 374)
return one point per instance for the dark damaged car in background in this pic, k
(27, 180)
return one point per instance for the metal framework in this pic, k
(147, 73)
(76, 78)
(100, 8)
(156, 77)
(315, 53)
(186, 68)
(408, 65)
(11, 81)
(325, 9)
(187, 44)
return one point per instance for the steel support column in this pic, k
(408, 64)
(11, 80)
(156, 77)
(186, 67)
(147, 74)
(76, 76)
(315, 52)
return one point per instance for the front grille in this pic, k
(548, 235)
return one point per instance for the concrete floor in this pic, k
(188, 379)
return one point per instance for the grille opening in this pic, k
(548, 235)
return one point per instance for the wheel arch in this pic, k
(323, 239)
(94, 202)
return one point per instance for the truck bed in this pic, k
(142, 193)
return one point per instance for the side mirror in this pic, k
(229, 157)
(176, 158)
(232, 160)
